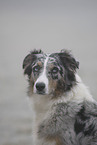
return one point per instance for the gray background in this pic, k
(51, 25)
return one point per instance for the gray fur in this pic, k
(61, 123)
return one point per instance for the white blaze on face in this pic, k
(43, 78)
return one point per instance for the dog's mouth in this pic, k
(40, 92)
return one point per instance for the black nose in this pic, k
(40, 86)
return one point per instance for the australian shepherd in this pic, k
(64, 111)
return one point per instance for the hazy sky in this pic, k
(49, 23)
(49, 6)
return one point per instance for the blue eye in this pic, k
(36, 68)
(55, 70)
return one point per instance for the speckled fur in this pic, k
(65, 115)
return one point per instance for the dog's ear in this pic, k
(28, 60)
(70, 65)
(68, 60)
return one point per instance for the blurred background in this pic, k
(50, 25)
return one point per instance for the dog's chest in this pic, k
(41, 107)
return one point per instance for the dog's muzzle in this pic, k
(40, 87)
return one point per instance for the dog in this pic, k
(65, 113)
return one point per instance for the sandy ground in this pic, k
(50, 25)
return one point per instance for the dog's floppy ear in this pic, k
(68, 60)
(70, 65)
(28, 60)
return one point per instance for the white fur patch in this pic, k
(43, 78)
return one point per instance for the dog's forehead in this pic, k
(41, 57)
(53, 58)
(48, 59)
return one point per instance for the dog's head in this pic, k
(51, 74)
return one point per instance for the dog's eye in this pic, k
(55, 70)
(36, 68)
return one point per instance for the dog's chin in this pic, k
(41, 93)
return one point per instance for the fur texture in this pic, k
(64, 111)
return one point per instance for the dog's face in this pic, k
(51, 74)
